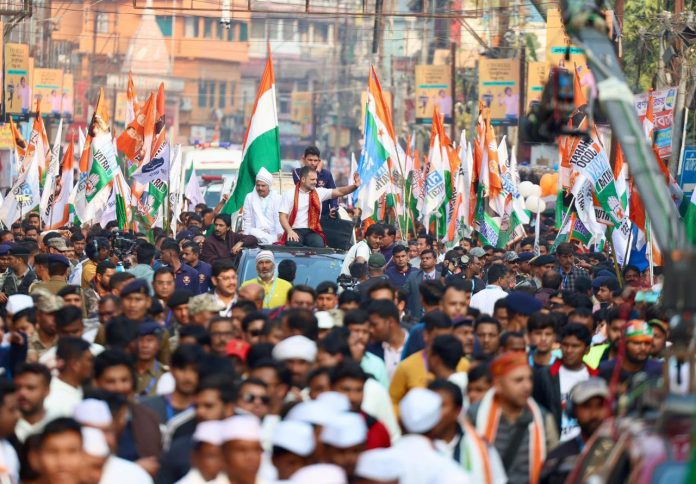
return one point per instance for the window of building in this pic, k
(321, 33)
(243, 32)
(211, 94)
(208, 27)
(165, 24)
(222, 31)
(102, 23)
(233, 88)
(222, 93)
(202, 94)
(303, 31)
(274, 29)
(289, 28)
(190, 26)
(231, 31)
(258, 28)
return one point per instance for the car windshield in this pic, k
(311, 270)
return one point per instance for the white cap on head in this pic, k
(94, 442)
(241, 427)
(313, 412)
(295, 348)
(420, 410)
(320, 474)
(265, 255)
(336, 401)
(209, 432)
(264, 176)
(294, 436)
(378, 465)
(93, 412)
(325, 320)
(345, 430)
(18, 302)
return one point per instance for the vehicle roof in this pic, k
(300, 251)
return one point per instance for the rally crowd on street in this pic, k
(156, 363)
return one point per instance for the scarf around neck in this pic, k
(312, 217)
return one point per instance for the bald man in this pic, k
(253, 292)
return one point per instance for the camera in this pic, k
(122, 244)
(347, 282)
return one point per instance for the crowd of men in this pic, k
(154, 363)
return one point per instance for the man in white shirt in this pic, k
(261, 207)
(76, 365)
(361, 251)
(485, 299)
(33, 382)
(300, 210)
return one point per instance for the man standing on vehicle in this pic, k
(300, 210)
(275, 289)
(312, 159)
(261, 208)
(223, 242)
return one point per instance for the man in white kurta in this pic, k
(261, 208)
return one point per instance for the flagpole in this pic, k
(650, 252)
(613, 257)
(628, 248)
(565, 219)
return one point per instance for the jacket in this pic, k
(215, 248)
(146, 431)
(547, 388)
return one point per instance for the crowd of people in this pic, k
(145, 359)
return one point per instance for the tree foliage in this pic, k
(640, 43)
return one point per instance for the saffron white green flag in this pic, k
(261, 147)
(435, 179)
(48, 196)
(193, 192)
(24, 194)
(176, 184)
(690, 219)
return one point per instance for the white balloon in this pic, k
(536, 190)
(534, 204)
(525, 188)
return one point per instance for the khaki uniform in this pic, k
(36, 348)
(52, 285)
(147, 382)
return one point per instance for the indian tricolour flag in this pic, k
(379, 150)
(690, 219)
(261, 148)
(435, 182)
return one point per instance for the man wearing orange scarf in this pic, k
(300, 209)
(509, 419)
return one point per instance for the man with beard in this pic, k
(185, 276)
(20, 276)
(399, 268)
(639, 339)
(191, 253)
(301, 209)
(32, 381)
(588, 407)
(224, 242)
(275, 290)
(75, 368)
(261, 207)
(312, 159)
(99, 287)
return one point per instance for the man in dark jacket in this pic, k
(590, 410)
(312, 158)
(552, 384)
(224, 242)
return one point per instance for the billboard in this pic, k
(663, 113)
(17, 82)
(499, 89)
(558, 43)
(536, 80)
(301, 112)
(68, 100)
(433, 87)
(48, 90)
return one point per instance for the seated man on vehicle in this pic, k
(300, 210)
(261, 207)
(312, 159)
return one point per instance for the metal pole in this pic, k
(453, 88)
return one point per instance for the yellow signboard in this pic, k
(68, 95)
(536, 79)
(6, 139)
(121, 105)
(499, 89)
(48, 90)
(558, 44)
(17, 80)
(301, 111)
(433, 87)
